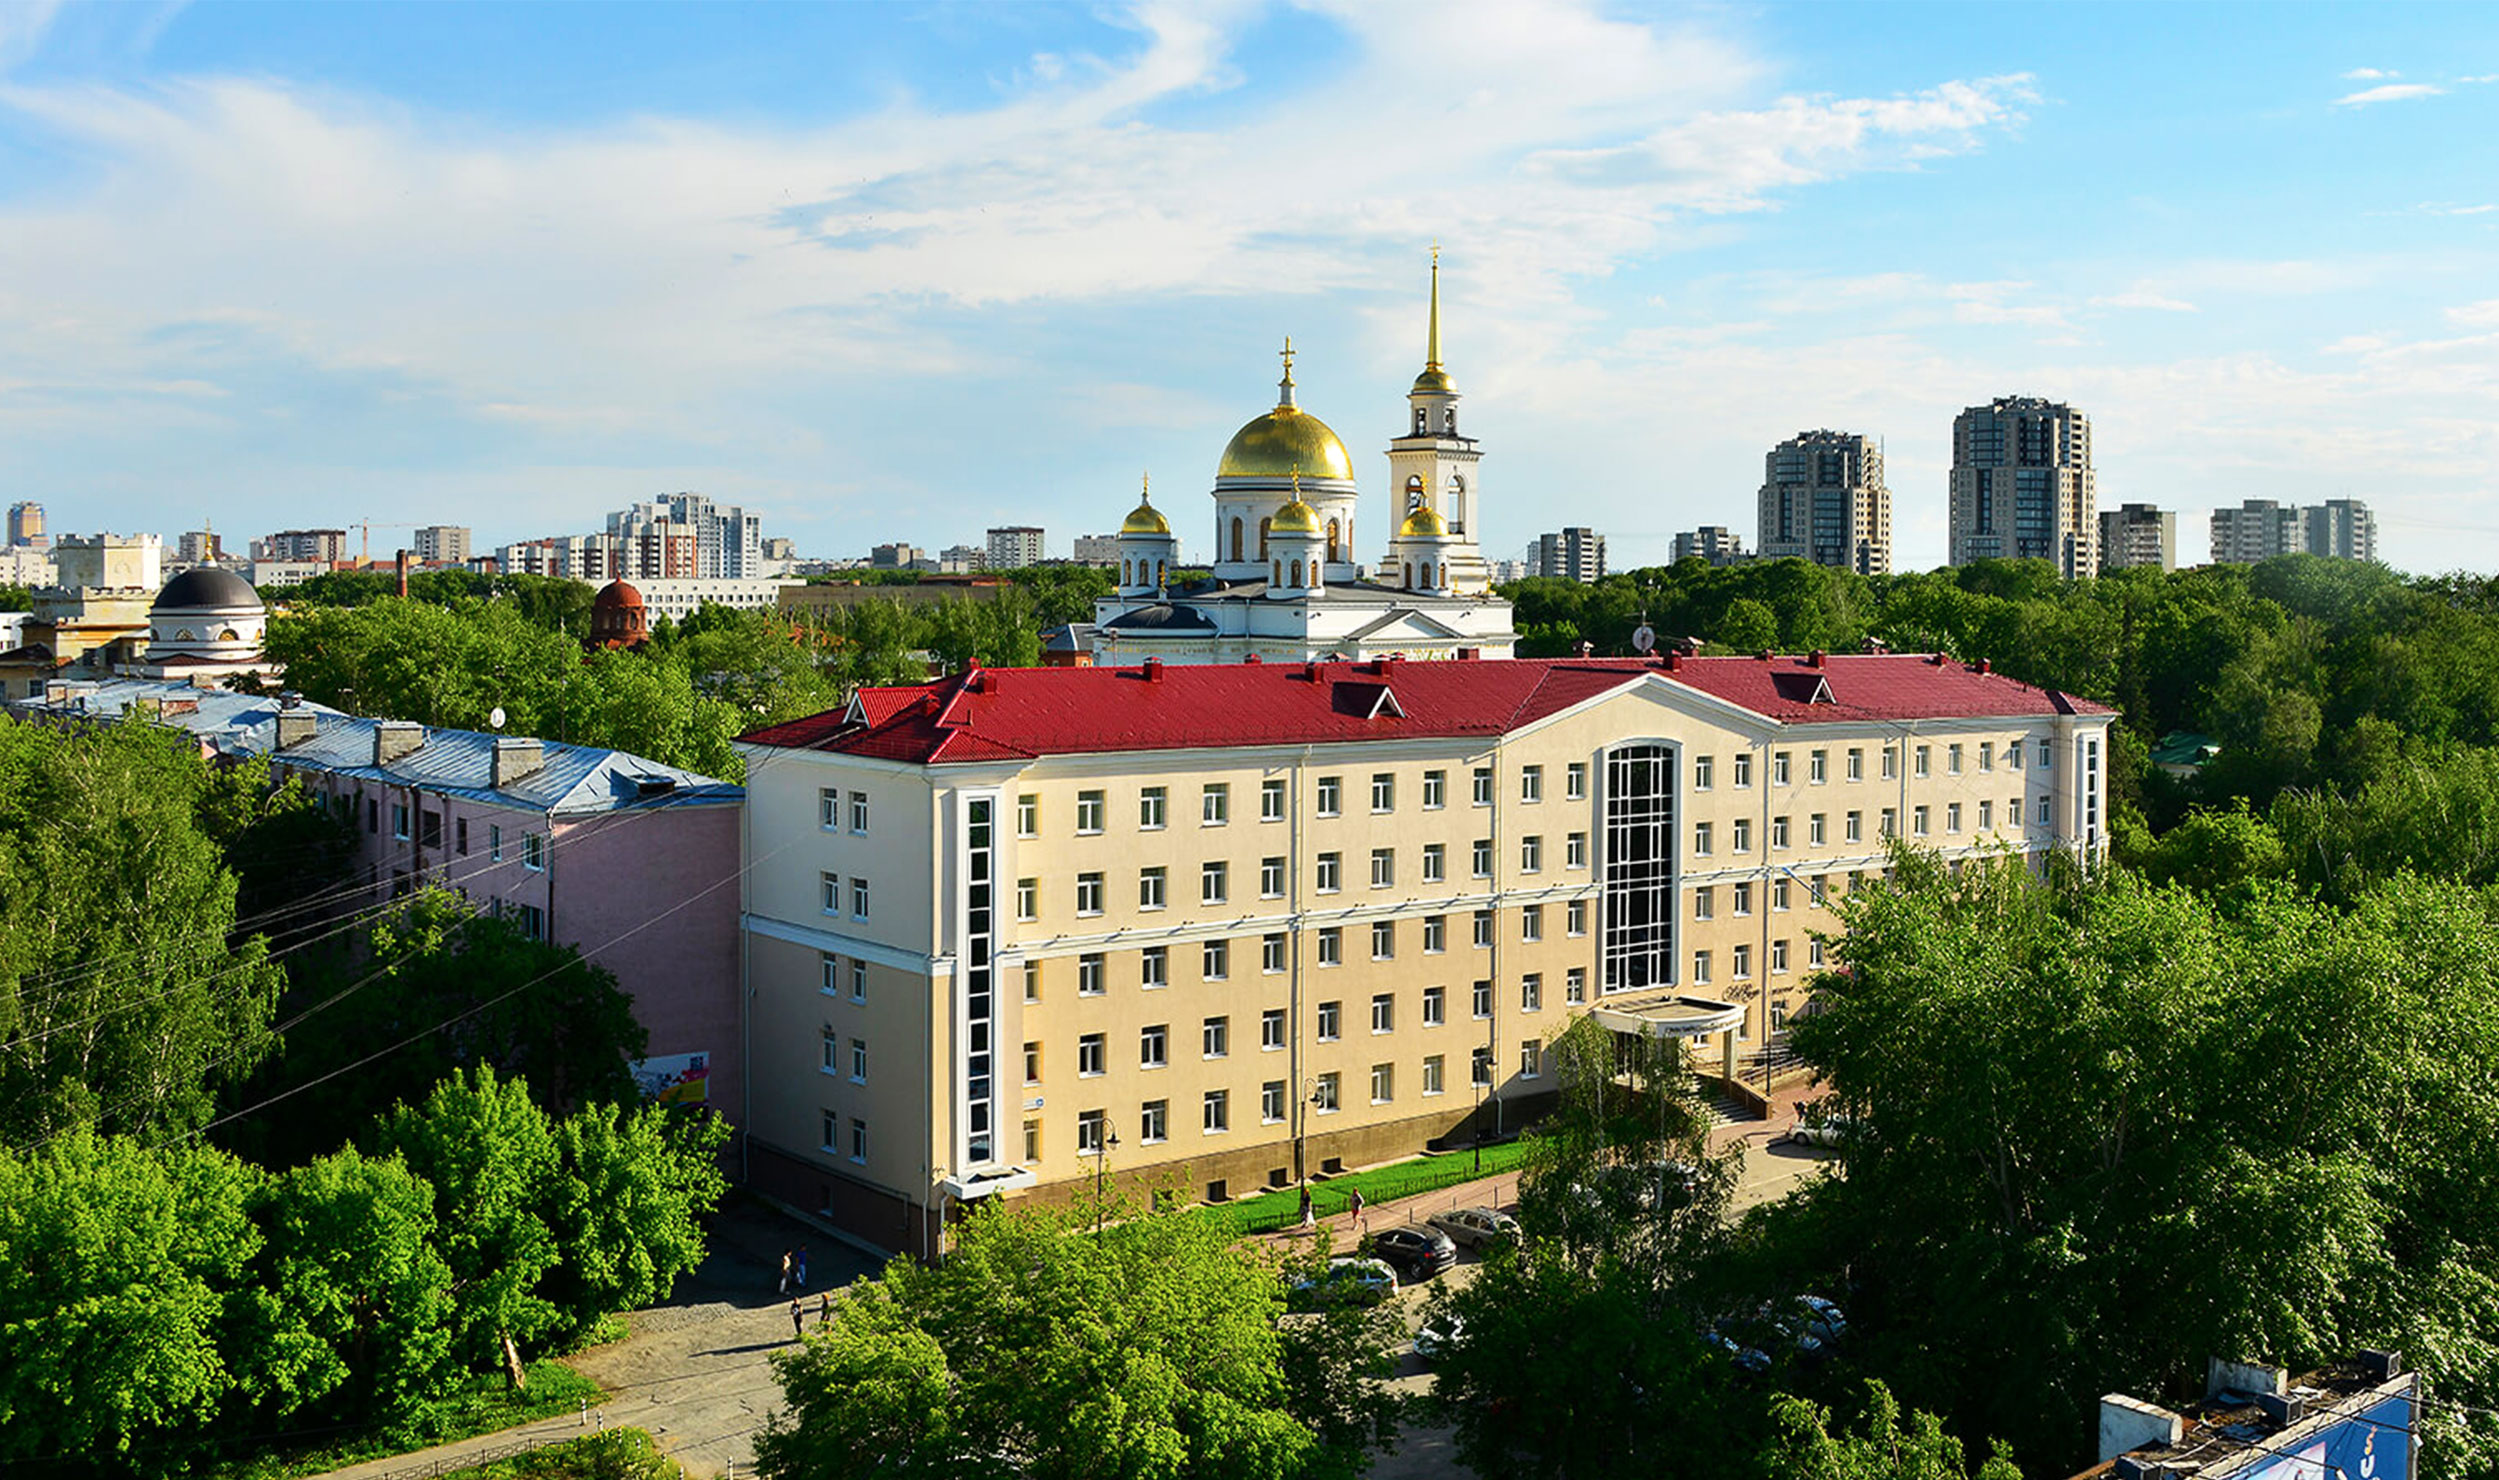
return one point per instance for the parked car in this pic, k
(1476, 1227)
(1434, 1339)
(1822, 1319)
(1746, 1358)
(1415, 1253)
(1347, 1281)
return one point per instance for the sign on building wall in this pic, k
(675, 1079)
(2375, 1445)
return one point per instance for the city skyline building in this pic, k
(2261, 528)
(1575, 553)
(1013, 547)
(441, 544)
(2022, 486)
(26, 523)
(2138, 535)
(1823, 499)
(1714, 543)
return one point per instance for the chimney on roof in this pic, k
(1765, 655)
(1816, 659)
(1252, 661)
(1674, 659)
(1877, 645)
(1586, 648)
(1310, 670)
(295, 726)
(1985, 667)
(393, 738)
(1470, 655)
(1153, 670)
(1935, 660)
(402, 563)
(2130, 1423)
(516, 759)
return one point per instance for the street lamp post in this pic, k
(1101, 1173)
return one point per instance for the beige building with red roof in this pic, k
(1233, 924)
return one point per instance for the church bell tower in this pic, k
(1432, 467)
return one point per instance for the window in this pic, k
(1435, 934)
(2013, 755)
(1923, 767)
(1027, 898)
(1986, 755)
(1150, 888)
(1952, 817)
(1952, 760)
(1435, 862)
(1890, 823)
(831, 884)
(2042, 813)
(1575, 985)
(1216, 1037)
(1332, 945)
(1705, 902)
(1483, 858)
(1575, 917)
(1704, 769)
(859, 1141)
(1383, 940)
(1089, 974)
(1817, 830)
(1271, 878)
(1700, 967)
(1483, 928)
(1742, 894)
(1032, 1140)
(1215, 960)
(1032, 1063)
(1271, 953)
(1575, 781)
(828, 808)
(1088, 812)
(1818, 767)
(1383, 867)
(1531, 1058)
(1742, 831)
(1331, 872)
(1152, 807)
(1700, 839)
(832, 1052)
(1891, 761)
(1088, 894)
(1778, 957)
(1214, 804)
(1218, 1112)
(533, 921)
(1331, 1021)
(1856, 765)
(1778, 894)
(1383, 792)
(1331, 795)
(1434, 1070)
(1531, 854)
(1154, 966)
(494, 841)
(1917, 820)
(1740, 963)
(1531, 783)
(832, 966)
(1856, 827)
(1271, 1029)
(1213, 883)
(1778, 832)
(534, 849)
(858, 981)
(1271, 1101)
(1531, 993)
(1027, 816)
(858, 899)
(1483, 999)
(2013, 812)
(1271, 801)
(1531, 922)
(1383, 1083)
(2046, 757)
(1154, 1046)
(858, 1061)
(1089, 1133)
(1779, 774)
(1323, 1098)
(1743, 767)
(1986, 816)
(1483, 1067)
(1384, 1013)
(1089, 1055)
(1813, 953)
(1435, 1006)
(1482, 786)
(858, 811)
(1575, 851)
(1154, 1121)
(460, 832)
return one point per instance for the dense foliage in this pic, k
(1042, 1347)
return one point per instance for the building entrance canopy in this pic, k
(1670, 1016)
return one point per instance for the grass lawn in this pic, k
(1282, 1207)
(480, 1407)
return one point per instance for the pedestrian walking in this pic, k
(802, 1266)
(785, 1271)
(824, 1309)
(1357, 1206)
(798, 1321)
(1309, 1216)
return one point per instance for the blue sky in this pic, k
(905, 271)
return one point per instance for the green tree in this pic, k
(1885, 1445)
(626, 1211)
(1039, 1348)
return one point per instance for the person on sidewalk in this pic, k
(798, 1321)
(1310, 1215)
(785, 1271)
(824, 1309)
(1357, 1207)
(801, 1266)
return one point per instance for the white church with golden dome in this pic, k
(1288, 584)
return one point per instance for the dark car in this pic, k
(1415, 1253)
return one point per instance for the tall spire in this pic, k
(1431, 347)
(1284, 388)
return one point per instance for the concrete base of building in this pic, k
(876, 1216)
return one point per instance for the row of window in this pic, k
(1740, 961)
(1818, 763)
(1214, 881)
(829, 810)
(1853, 826)
(831, 898)
(1328, 944)
(427, 830)
(1327, 795)
(833, 1057)
(1093, 1134)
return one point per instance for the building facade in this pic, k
(1575, 554)
(442, 544)
(1714, 543)
(680, 599)
(1823, 499)
(2134, 535)
(686, 534)
(200, 547)
(2261, 528)
(109, 562)
(26, 524)
(1258, 920)
(327, 545)
(2022, 486)
(1014, 547)
(1095, 549)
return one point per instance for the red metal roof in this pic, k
(1018, 713)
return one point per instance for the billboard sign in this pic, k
(674, 1079)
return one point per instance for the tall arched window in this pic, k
(1414, 492)
(1449, 420)
(1332, 536)
(1262, 537)
(1420, 425)
(1410, 574)
(1278, 576)
(1297, 574)
(1236, 536)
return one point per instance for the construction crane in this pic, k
(367, 526)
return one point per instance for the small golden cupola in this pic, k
(1147, 550)
(1297, 543)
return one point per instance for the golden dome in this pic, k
(1434, 381)
(1145, 518)
(1294, 518)
(1283, 441)
(1425, 521)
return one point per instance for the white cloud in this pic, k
(2369, 74)
(2393, 92)
(2139, 298)
(2482, 315)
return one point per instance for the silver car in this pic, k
(1475, 1227)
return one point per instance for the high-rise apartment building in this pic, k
(26, 524)
(200, 547)
(442, 544)
(302, 544)
(1823, 500)
(2022, 485)
(1714, 543)
(2138, 535)
(2261, 528)
(1097, 549)
(725, 541)
(1014, 547)
(1574, 554)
